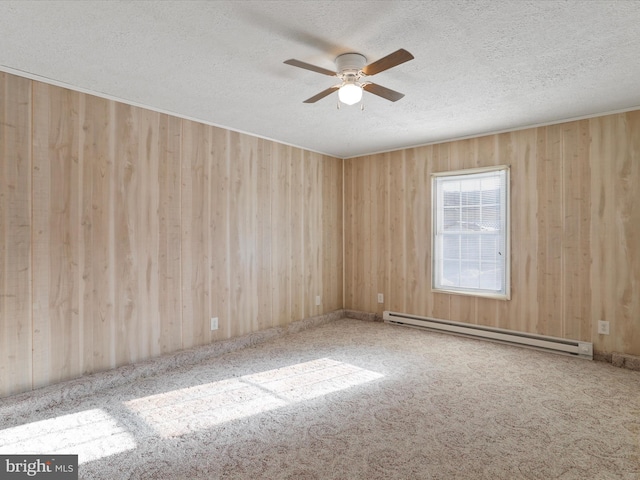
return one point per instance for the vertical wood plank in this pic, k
(549, 229)
(84, 226)
(147, 233)
(218, 232)
(281, 229)
(127, 172)
(605, 156)
(311, 245)
(363, 236)
(576, 263)
(264, 235)
(518, 149)
(381, 231)
(16, 326)
(397, 232)
(349, 234)
(169, 254)
(242, 233)
(195, 238)
(57, 242)
(331, 231)
(298, 297)
(357, 241)
(422, 218)
(367, 238)
(412, 232)
(99, 155)
(417, 236)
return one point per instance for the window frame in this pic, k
(436, 261)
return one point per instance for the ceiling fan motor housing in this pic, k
(350, 63)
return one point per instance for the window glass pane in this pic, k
(469, 274)
(490, 279)
(490, 218)
(470, 220)
(470, 248)
(489, 248)
(451, 247)
(451, 194)
(450, 273)
(490, 196)
(470, 197)
(491, 183)
(451, 219)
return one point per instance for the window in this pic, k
(470, 247)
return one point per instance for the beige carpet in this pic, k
(347, 400)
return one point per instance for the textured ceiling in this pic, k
(479, 67)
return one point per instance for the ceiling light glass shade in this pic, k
(350, 93)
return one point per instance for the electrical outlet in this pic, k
(603, 327)
(317, 300)
(380, 298)
(214, 323)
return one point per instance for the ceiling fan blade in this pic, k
(385, 63)
(383, 92)
(308, 66)
(322, 94)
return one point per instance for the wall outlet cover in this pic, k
(603, 327)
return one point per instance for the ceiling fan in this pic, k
(352, 71)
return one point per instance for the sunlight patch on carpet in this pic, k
(203, 406)
(90, 434)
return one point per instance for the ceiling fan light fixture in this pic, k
(350, 93)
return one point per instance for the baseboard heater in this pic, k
(529, 340)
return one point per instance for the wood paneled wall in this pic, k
(575, 230)
(123, 231)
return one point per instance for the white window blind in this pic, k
(470, 232)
